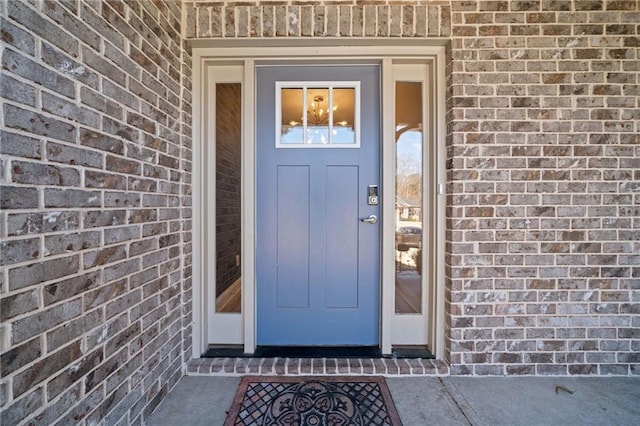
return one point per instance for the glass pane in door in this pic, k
(344, 126)
(292, 116)
(318, 105)
(409, 202)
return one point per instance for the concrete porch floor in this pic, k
(200, 400)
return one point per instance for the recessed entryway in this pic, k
(323, 228)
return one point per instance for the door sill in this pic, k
(398, 352)
(317, 352)
(224, 351)
(410, 351)
(236, 351)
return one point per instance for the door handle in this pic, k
(371, 219)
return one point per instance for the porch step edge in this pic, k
(388, 367)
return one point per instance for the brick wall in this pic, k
(543, 159)
(543, 217)
(544, 204)
(309, 18)
(95, 209)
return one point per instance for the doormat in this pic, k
(315, 401)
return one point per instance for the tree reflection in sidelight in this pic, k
(409, 197)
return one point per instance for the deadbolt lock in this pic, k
(372, 195)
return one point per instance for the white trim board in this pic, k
(211, 54)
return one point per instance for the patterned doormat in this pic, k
(314, 401)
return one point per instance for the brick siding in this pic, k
(543, 168)
(543, 211)
(95, 282)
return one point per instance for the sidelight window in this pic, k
(414, 216)
(409, 202)
(228, 139)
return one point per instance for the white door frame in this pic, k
(208, 54)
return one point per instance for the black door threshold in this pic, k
(297, 352)
(411, 352)
(318, 352)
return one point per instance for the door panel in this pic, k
(342, 237)
(317, 264)
(293, 237)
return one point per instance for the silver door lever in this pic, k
(371, 219)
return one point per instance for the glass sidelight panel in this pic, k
(228, 133)
(409, 197)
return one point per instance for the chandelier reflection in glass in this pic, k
(318, 116)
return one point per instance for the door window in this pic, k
(317, 115)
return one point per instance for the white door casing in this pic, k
(209, 59)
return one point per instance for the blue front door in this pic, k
(318, 275)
